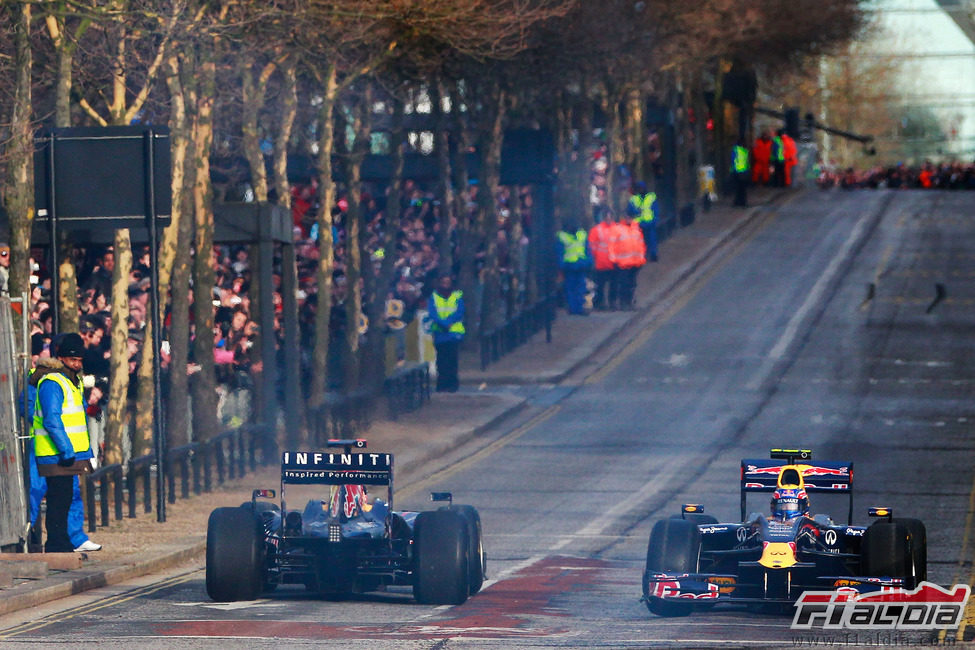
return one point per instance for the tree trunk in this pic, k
(490, 149)
(205, 423)
(68, 316)
(467, 239)
(354, 230)
(323, 275)
(717, 116)
(118, 390)
(252, 90)
(288, 113)
(635, 135)
(177, 249)
(142, 442)
(375, 357)
(18, 196)
(67, 304)
(445, 190)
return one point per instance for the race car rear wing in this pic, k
(327, 468)
(761, 475)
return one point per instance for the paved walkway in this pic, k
(134, 547)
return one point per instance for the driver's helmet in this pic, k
(348, 501)
(789, 503)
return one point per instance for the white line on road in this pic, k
(812, 299)
(630, 502)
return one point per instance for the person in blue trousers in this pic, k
(38, 484)
(575, 260)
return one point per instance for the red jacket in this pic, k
(628, 251)
(601, 237)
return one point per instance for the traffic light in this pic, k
(792, 122)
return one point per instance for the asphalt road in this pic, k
(822, 327)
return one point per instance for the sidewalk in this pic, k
(134, 547)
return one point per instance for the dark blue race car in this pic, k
(694, 560)
(348, 540)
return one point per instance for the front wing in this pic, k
(754, 584)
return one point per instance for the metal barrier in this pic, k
(407, 389)
(181, 458)
(140, 467)
(498, 342)
(234, 453)
(341, 416)
(101, 480)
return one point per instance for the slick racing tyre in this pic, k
(441, 569)
(674, 547)
(476, 554)
(235, 555)
(919, 547)
(886, 552)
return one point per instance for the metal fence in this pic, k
(407, 389)
(340, 415)
(498, 342)
(199, 466)
(13, 500)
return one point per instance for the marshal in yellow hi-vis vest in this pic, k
(445, 308)
(643, 206)
(72, 416)
(573, 246)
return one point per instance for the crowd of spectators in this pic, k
(416, 247)
(943, 176)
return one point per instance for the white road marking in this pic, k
(633, 501)
(241, 604)
(812, 299)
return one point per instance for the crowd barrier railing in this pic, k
(228, 455)
(498, 342)
(407, 389)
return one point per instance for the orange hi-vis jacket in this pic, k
(628, 251)
(601, 237)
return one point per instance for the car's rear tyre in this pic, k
(441, 571)
(477, 557)
(886, 552)
(919, 547)
(674, 547)
(235, 555)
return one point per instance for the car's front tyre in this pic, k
(674, 547)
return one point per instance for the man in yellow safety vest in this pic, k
(446, 309)
(575, 261)
(642, 207)
(59, 430)
(740, 173)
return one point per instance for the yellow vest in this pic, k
(645, 205)
(72, 417)
(445, 308)
(574, 248)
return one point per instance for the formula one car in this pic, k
(693, 560)
(347, 542)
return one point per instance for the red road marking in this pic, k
(504, 610)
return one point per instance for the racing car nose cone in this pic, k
(777, 555)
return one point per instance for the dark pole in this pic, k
(52, 220)
(158, 426)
